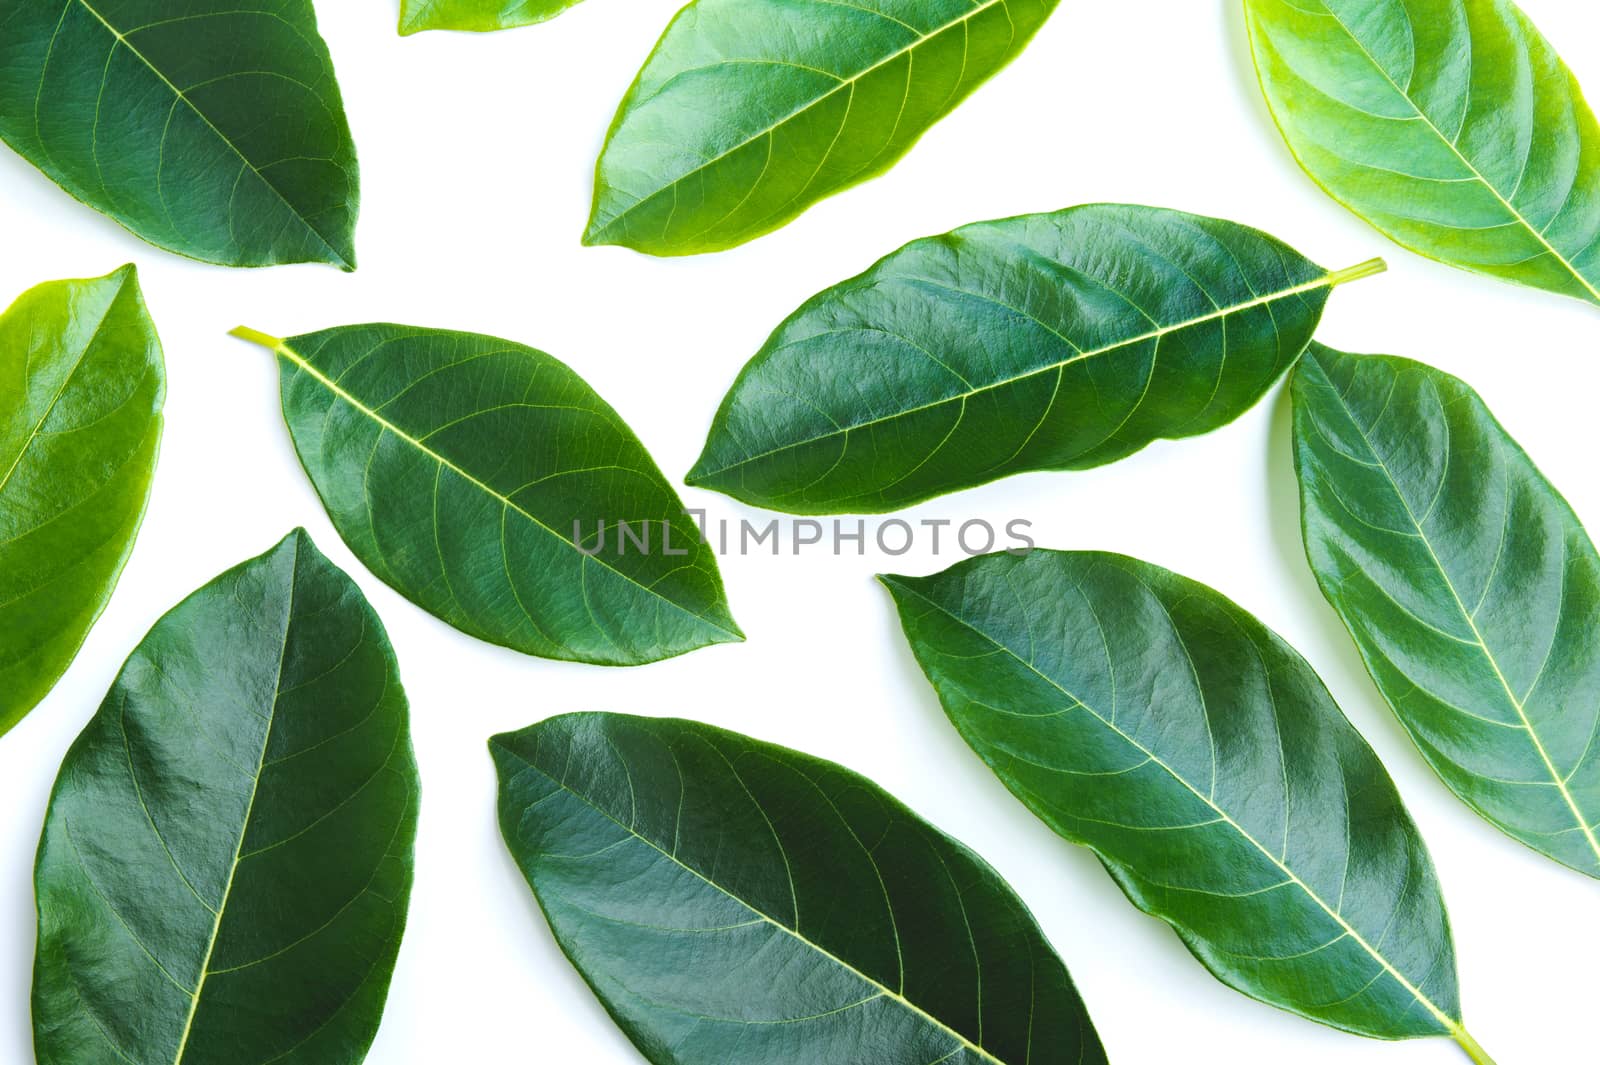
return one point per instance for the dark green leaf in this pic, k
(733, 901)
(81, 388)
(1450, 125)
(226, 860)
(750, 111)
(1051, 341)
(1147, 717)
(465, 471)
(477, 16)
(209, 128)
(1469, 585)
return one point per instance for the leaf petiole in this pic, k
(1370, 268)
(255, 336)
(1470, 1045)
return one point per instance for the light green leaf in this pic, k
(226, 860)
(212, 129)
(733, 901)
(81, 388)
(490, 485)
(477, 16)
(1469, 585)
(750, 111)
(1147, 717)
(1045, 342)
(1450, 125)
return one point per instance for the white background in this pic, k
(476, 156)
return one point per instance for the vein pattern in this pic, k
(1146, 717)
(1051, 341)
(226, 861)
(81, 389)
(733, 901)
(1451, 125)
(749, 111)
(489, 484)
(217, 132)
(1469, 585)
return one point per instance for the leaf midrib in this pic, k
(122, 39)
(300, 363)
(884, 991)
(244, 825)
(1517, 705)
(1594, 292)
(1451, 1025)
(1328, 280)
(844, 84)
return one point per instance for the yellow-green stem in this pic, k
(255, 336)
(1370, 268)
(1470, 1045)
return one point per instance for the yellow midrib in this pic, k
(1450, 1023)
(794, 933)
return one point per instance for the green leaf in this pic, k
(81, 388)
(1469, 585)
(212, 129)
(226, 859)
(477, 16)
(1045, 342)
(750, 111)
(466, 471)
(733, 901)
(1147, 717)
(1450, 125)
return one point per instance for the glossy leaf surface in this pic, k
(81, 388)
(750, 111)
(1450, 125)
(733, 901)
(1469, 585)
(1051, 341)
(212, 129)
(477, 16)
(466, 471)
(226, 859)
(1143, 715)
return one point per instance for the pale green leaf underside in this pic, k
(227, 856)
(1053, 341)
(1450, 125)
(749, 111)
(1147, 717)
(1469, 585)
(81, 388)
(213, 129)
(733, 901)
(465, 470)
(476, 16)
